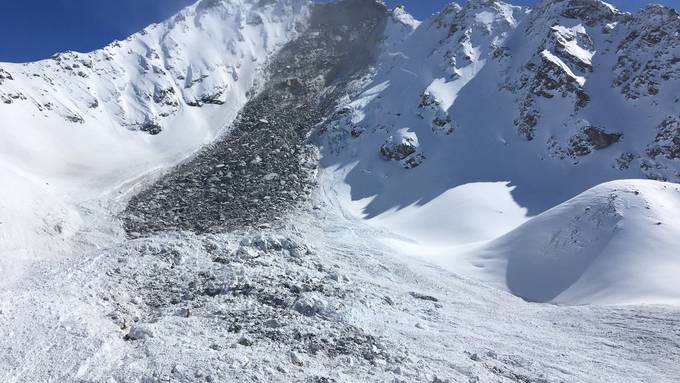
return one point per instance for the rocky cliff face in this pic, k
(582, 51)
(569, 87)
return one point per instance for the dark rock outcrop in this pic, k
(667, 141)
(591, 138)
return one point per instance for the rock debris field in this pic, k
(263, 167)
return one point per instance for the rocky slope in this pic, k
(264, 166)
(574, 89)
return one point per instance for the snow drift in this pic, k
(618, 243)
(34, 221)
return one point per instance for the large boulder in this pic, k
(399, 146)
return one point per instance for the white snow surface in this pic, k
(34, 221)
(431, 324)
(613, 244)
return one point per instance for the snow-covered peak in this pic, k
(656, 16)
(444, 18)
(476, 29)
(181, 81)
(491, 17)
(657, 10)
(569, 13)
(400, 15)
(472, 5)
(488, 14)
(450, 8)
(590, 12)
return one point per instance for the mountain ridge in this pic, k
(154, 80)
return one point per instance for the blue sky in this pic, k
(36, 29)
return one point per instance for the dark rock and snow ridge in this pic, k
(154, 75)
(571, 89)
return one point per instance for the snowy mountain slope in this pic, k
(80, 125)
(144, 102)
(616, 243)
(398, 117)
(502, 95)
(487, 114)
(590, 63)
(34, 221)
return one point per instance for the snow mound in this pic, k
(617, 243)
(33, 221)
